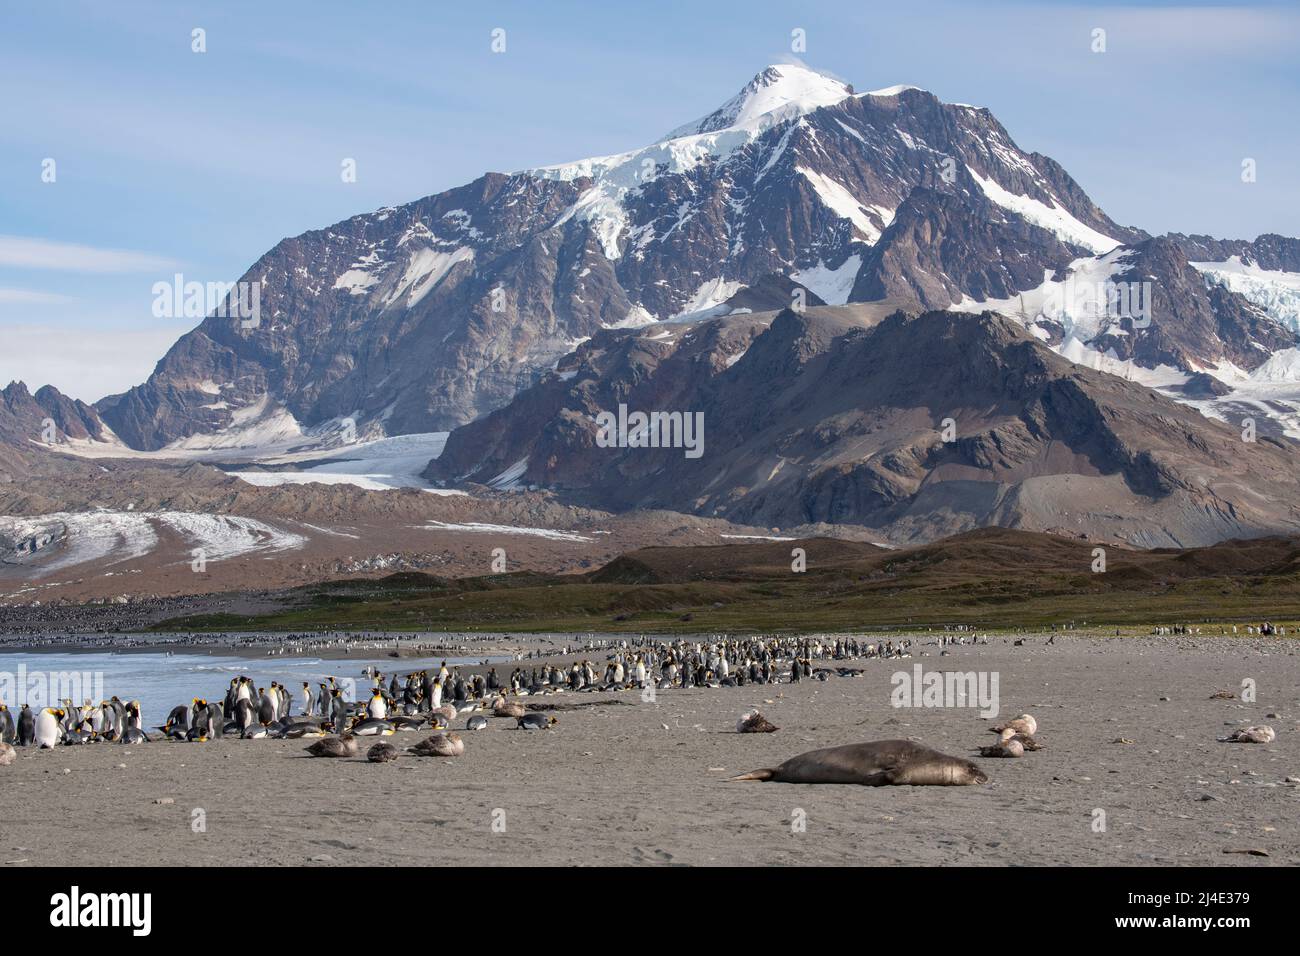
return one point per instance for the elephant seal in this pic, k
(879, 763)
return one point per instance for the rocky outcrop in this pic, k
(918, 426)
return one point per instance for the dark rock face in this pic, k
(917, 426)
(1269, 251)
(942, 246)
(1204, 385)
(27, 418)
(32, 424)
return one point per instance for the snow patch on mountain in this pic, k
(602, 207)
(509, 480)
(425, 269)
(1054, 219)
(483, 528)
(832, 286)
(707, 301)
(1077, 301)
(843, 203)
(264, 424)
(892, 90)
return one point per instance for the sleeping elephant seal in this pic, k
(879, 763)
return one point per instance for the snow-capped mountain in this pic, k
(424, 317)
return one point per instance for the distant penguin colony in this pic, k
(434, 699)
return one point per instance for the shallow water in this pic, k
(161, 681)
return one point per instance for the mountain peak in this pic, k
(777, 93)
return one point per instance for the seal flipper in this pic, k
(754, 775)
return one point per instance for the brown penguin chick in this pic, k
(440, 745)
(381, 753)
(508, 708)
(7, 754)
(755, 723)
(1024, 724)
(1007, 746)
(341, 746)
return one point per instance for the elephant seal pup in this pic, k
(880, 763)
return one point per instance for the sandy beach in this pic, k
(645, 783)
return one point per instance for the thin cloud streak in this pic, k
(22, 252)
(33, 297)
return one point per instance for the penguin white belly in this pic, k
(47, 729)
(378, 709)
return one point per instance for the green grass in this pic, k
(832, 601)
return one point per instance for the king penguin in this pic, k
(7, 733)
(49, 730)
(26, 727)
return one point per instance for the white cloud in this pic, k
(85, 363)
(32, 297)
(23, 252)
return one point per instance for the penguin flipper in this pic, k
(766, 774)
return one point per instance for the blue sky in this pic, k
(169, 160)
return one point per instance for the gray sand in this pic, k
(610, 785)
